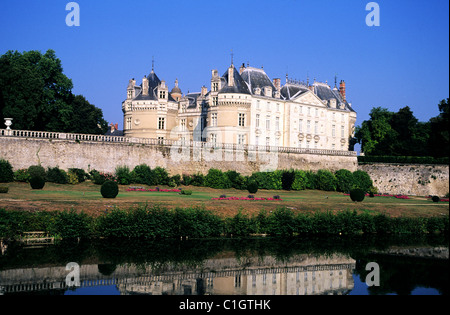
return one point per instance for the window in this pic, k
(277, 124)
(316, 127)
(215, 101)
(342, 131)
(214, 138)
(268, 106)
(241, 139)
(267, 122)
(301, 110)
(160, 140)
(214, 119)
(162, 94)
(267, 141)
(257, 120)
(278, 107)
(300, 125)
(257, 140)
(333, 131)
(258, 104)
(241, 120)
(129, 123)
(161, 123)
(309, 111)
(317, 112)
(215, 86)
(308, 126)
(183, 124)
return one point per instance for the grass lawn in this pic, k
(86, 197)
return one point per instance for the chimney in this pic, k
(116, 126)
(231, 76)
(145, 86)
(241, 69)
(277, 84)
(342, 89)
(204, 90)
(113, 127)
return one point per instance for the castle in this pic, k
(243, 107)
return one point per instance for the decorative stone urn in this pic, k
(8, 123)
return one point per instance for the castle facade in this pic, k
(243, 107)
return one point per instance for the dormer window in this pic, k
(162, 94)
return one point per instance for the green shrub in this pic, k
(287, 179)
(300, 180)
(268, 180)
(142, 174)
(22, 175)
(435, 199)
(123, 175)
(161, 176)
(357, 195)
(252, 186)
(186, 192)
(109, 190)
(176, 180)
(236, 180)
(37, 182)
(325, 180)
(72, 178)
(217, 179)
(344, 180)
(362, 180)
(311, 180)
(80, 174)
(198, 180)
(6, 172)
(282, 223)
(4, 190)
(36, 170)
(73, 225)
(57, 175)
(239, 225)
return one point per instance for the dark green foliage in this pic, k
(80, 174)
(73, 225)
(56, 175)
(300, 180)
(252, 186)
(186, 192)
(37, 94)
(109, 190)
(22, 176)
(217, 179)
(4, 190)
(282, 223)
(325, 180)
(161, 177)
(239, 225)
(402, 159)
(37, 170)
(287, 179)
(123, 175)
(362, 180)
(311, 182)
(357, 195)
(237, 181)
(344, 180)
(142, 174)
(176, 180)
(37, 182)
(6, 172)
(268, 180)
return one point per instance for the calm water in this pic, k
(258, 266)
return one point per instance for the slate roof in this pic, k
(153, 82)
(290, 91)
(240, 86)
(255, 78)
(325, 93)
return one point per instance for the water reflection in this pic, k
(223, 267)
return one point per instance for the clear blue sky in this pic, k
(403, 62)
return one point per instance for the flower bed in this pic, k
(386, 195)
(153, 190)
(246, 198)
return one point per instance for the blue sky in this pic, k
(403, 62)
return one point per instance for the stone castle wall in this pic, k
(421, 180)
(106, 156)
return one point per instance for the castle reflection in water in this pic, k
(298, 275)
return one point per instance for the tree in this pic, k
(438, 144)
(35, 92)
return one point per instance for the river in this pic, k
(245, 267)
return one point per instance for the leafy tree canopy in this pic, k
(35, 92)
(402, 134)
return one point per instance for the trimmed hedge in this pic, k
(109, 190)
(161, 223)
(37, 182)
(6, 172)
